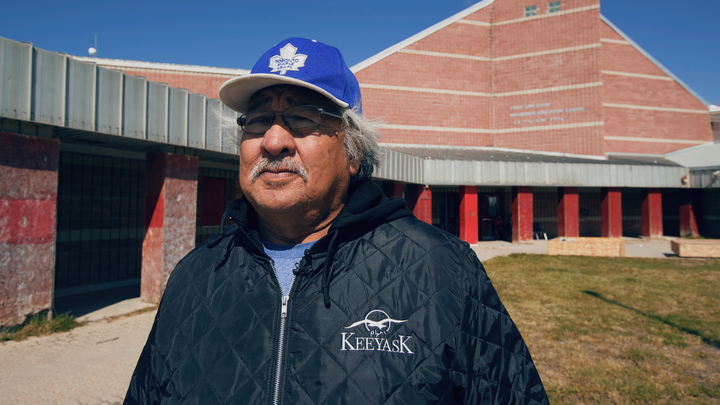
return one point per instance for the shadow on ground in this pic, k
(83, 304)
(705, 339)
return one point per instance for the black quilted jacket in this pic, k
(400, 313)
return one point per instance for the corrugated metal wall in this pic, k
(400, 167)
(51, 88)
(706, 178)
(551, 174)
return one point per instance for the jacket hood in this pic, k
(366, 209)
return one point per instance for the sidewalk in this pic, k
(634, 247)
(487, 250)
(92, 364)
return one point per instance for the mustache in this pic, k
(285, 164)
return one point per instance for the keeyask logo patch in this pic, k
(376, 337)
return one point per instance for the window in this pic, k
(553, 6)
(530, 11)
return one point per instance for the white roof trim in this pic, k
(653, 60)
(696, 157)
(420, 35)
(162, 66)
(624, 154)
(690, 149)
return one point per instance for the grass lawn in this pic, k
(617, 331)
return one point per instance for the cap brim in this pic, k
(236, 92)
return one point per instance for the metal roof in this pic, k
(503, 167)
(701, 156)
(90, 103)
(133, 64)
(525, 156)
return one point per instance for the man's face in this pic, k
(278, 191)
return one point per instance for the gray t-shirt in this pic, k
(285, 257)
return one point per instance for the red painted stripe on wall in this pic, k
(27, 221)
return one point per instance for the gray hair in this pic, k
(361, 137)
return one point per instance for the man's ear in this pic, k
(354, 165)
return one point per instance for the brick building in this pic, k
(507, 120)
(553, 76)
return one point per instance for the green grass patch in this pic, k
(39, 325)
(712, 390)
(617, 330)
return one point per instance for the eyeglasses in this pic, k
(298, 117)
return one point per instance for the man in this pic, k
(324, 290)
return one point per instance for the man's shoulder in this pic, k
(425, 235)
(203, 258)
(409, 236)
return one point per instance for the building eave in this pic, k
(492, 167)
(132, 64)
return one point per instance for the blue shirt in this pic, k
(284, 258)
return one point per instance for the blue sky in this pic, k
(683, 36)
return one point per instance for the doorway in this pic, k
(491, 226)
(446, 211)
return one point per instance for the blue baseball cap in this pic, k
(298, 62)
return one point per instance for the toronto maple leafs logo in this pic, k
(287, 60)
(376, 319)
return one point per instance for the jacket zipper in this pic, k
(281, 339)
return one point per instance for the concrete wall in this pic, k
(28, 198)
(170, 219)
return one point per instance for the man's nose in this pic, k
(278, 140)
